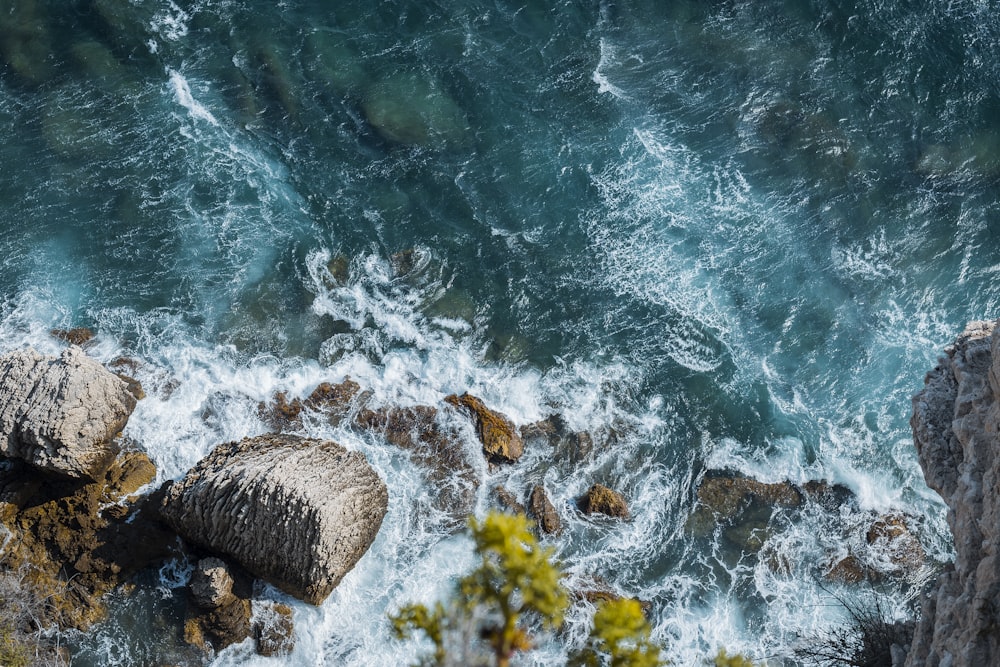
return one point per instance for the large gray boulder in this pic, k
(294, 511)
(60, 413)
(956, 429)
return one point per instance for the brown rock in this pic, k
(602, 500)
(500, 440)
(334, 400)
(76, 336)
(891, 534)
(75, 539)
(545, 513)
(726, 494)
(433, 447)
(281, 414)
(848, 570)
(211, 583)
(134, 386)
(508, 500)
(217, 616)
(274, 630)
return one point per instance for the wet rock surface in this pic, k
(218, 616)
(293, 511)
(599, 499)
(544, 512)
(501, 441)
(956, 430)
(60, 414)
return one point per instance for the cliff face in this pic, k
(955, 423)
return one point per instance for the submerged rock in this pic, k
(273, 629)
(956, 429)
(544, 512)
(501, 441)
(508, 500)
(408, 108)
(600, 499)
(296, 512)
(75, 336)
(60, 413)
(434, 447)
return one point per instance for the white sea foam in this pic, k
(182, 93)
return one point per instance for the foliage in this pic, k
(722, 659)
(13, 653)
(865, 641)
(620, 637)
(515, 579)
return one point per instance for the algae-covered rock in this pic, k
(500, 439)
(599, 499)
(296, 512)
(75, 541)
(60, 413)
(410, 108)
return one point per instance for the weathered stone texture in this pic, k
(293, 511)
(955, 429)
(59, 414)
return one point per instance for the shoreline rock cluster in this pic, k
(296, 512)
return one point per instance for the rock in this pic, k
(508, 500)
(211, 583)
(293, 511)
(334, 400)
(273, 629)
(570, 446)
(501, 442)
(595, 590)
(76, 336)
(281, 414)
(133, 385)
(79, 540)
(956, 430)
(407, 108)
(60, 413)
(602, 500)
(848, 570)
(218, 616)
(725, 494)
(545, 513)
(433, 447)
(891, 537)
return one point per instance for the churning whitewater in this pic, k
(720, 238)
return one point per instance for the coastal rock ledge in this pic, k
(296, 512)
(60, 414)
(956, 429)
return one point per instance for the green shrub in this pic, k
(620, 637)
(515, 580)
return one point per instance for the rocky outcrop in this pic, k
(72, 542)
(956, 429)
(545, 512)
(217, 616)
(436, 448)
(60, 414)
(501, 441)
(293, 511)
(599, 499)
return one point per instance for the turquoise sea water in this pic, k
(714, 234)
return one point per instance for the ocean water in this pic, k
(715, 235)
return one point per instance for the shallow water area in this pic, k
(713, 236)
